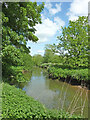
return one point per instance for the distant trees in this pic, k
(28, 61)
(50, 55)
(37, 59)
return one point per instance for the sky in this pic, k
(53, 16)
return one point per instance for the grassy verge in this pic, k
(16, 104)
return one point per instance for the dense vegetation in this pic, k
(18, 21)
(61, 71)
(37, 59)
(77, 74)
(16, 104)
(74, 40)
(72, 59)
(72, 48)
(18, 27)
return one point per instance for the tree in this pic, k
(37, 59)
(27, 61)
(74, 40)
(50, 54)
(18, 21)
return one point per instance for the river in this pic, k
(55, 94)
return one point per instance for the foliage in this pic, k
(21, 18)
(73, 52)
(28, 62)
(16, 104)
(37, 59)
(50, 56)
(15, 75)
(13, 64)
(18, 27)
(12, 56)
(46, 65)
(74, 42)
(18, 21)
(79, 74)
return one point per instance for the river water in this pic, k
(55, 94)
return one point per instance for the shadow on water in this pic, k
(57, 94)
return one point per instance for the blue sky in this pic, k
(55, 15)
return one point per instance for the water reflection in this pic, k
(56, 94)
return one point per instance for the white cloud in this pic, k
(48, 28)
(52, 10)
(59, 22)
(40, 52)
(78, 8)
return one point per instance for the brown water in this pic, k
(57, 94)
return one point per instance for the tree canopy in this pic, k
(37, 59)
(74, 41)
(50, 55)
(18, 27)
(19, 19)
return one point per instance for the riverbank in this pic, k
(16, 104)
(74, 76)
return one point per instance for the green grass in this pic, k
(16, 104)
